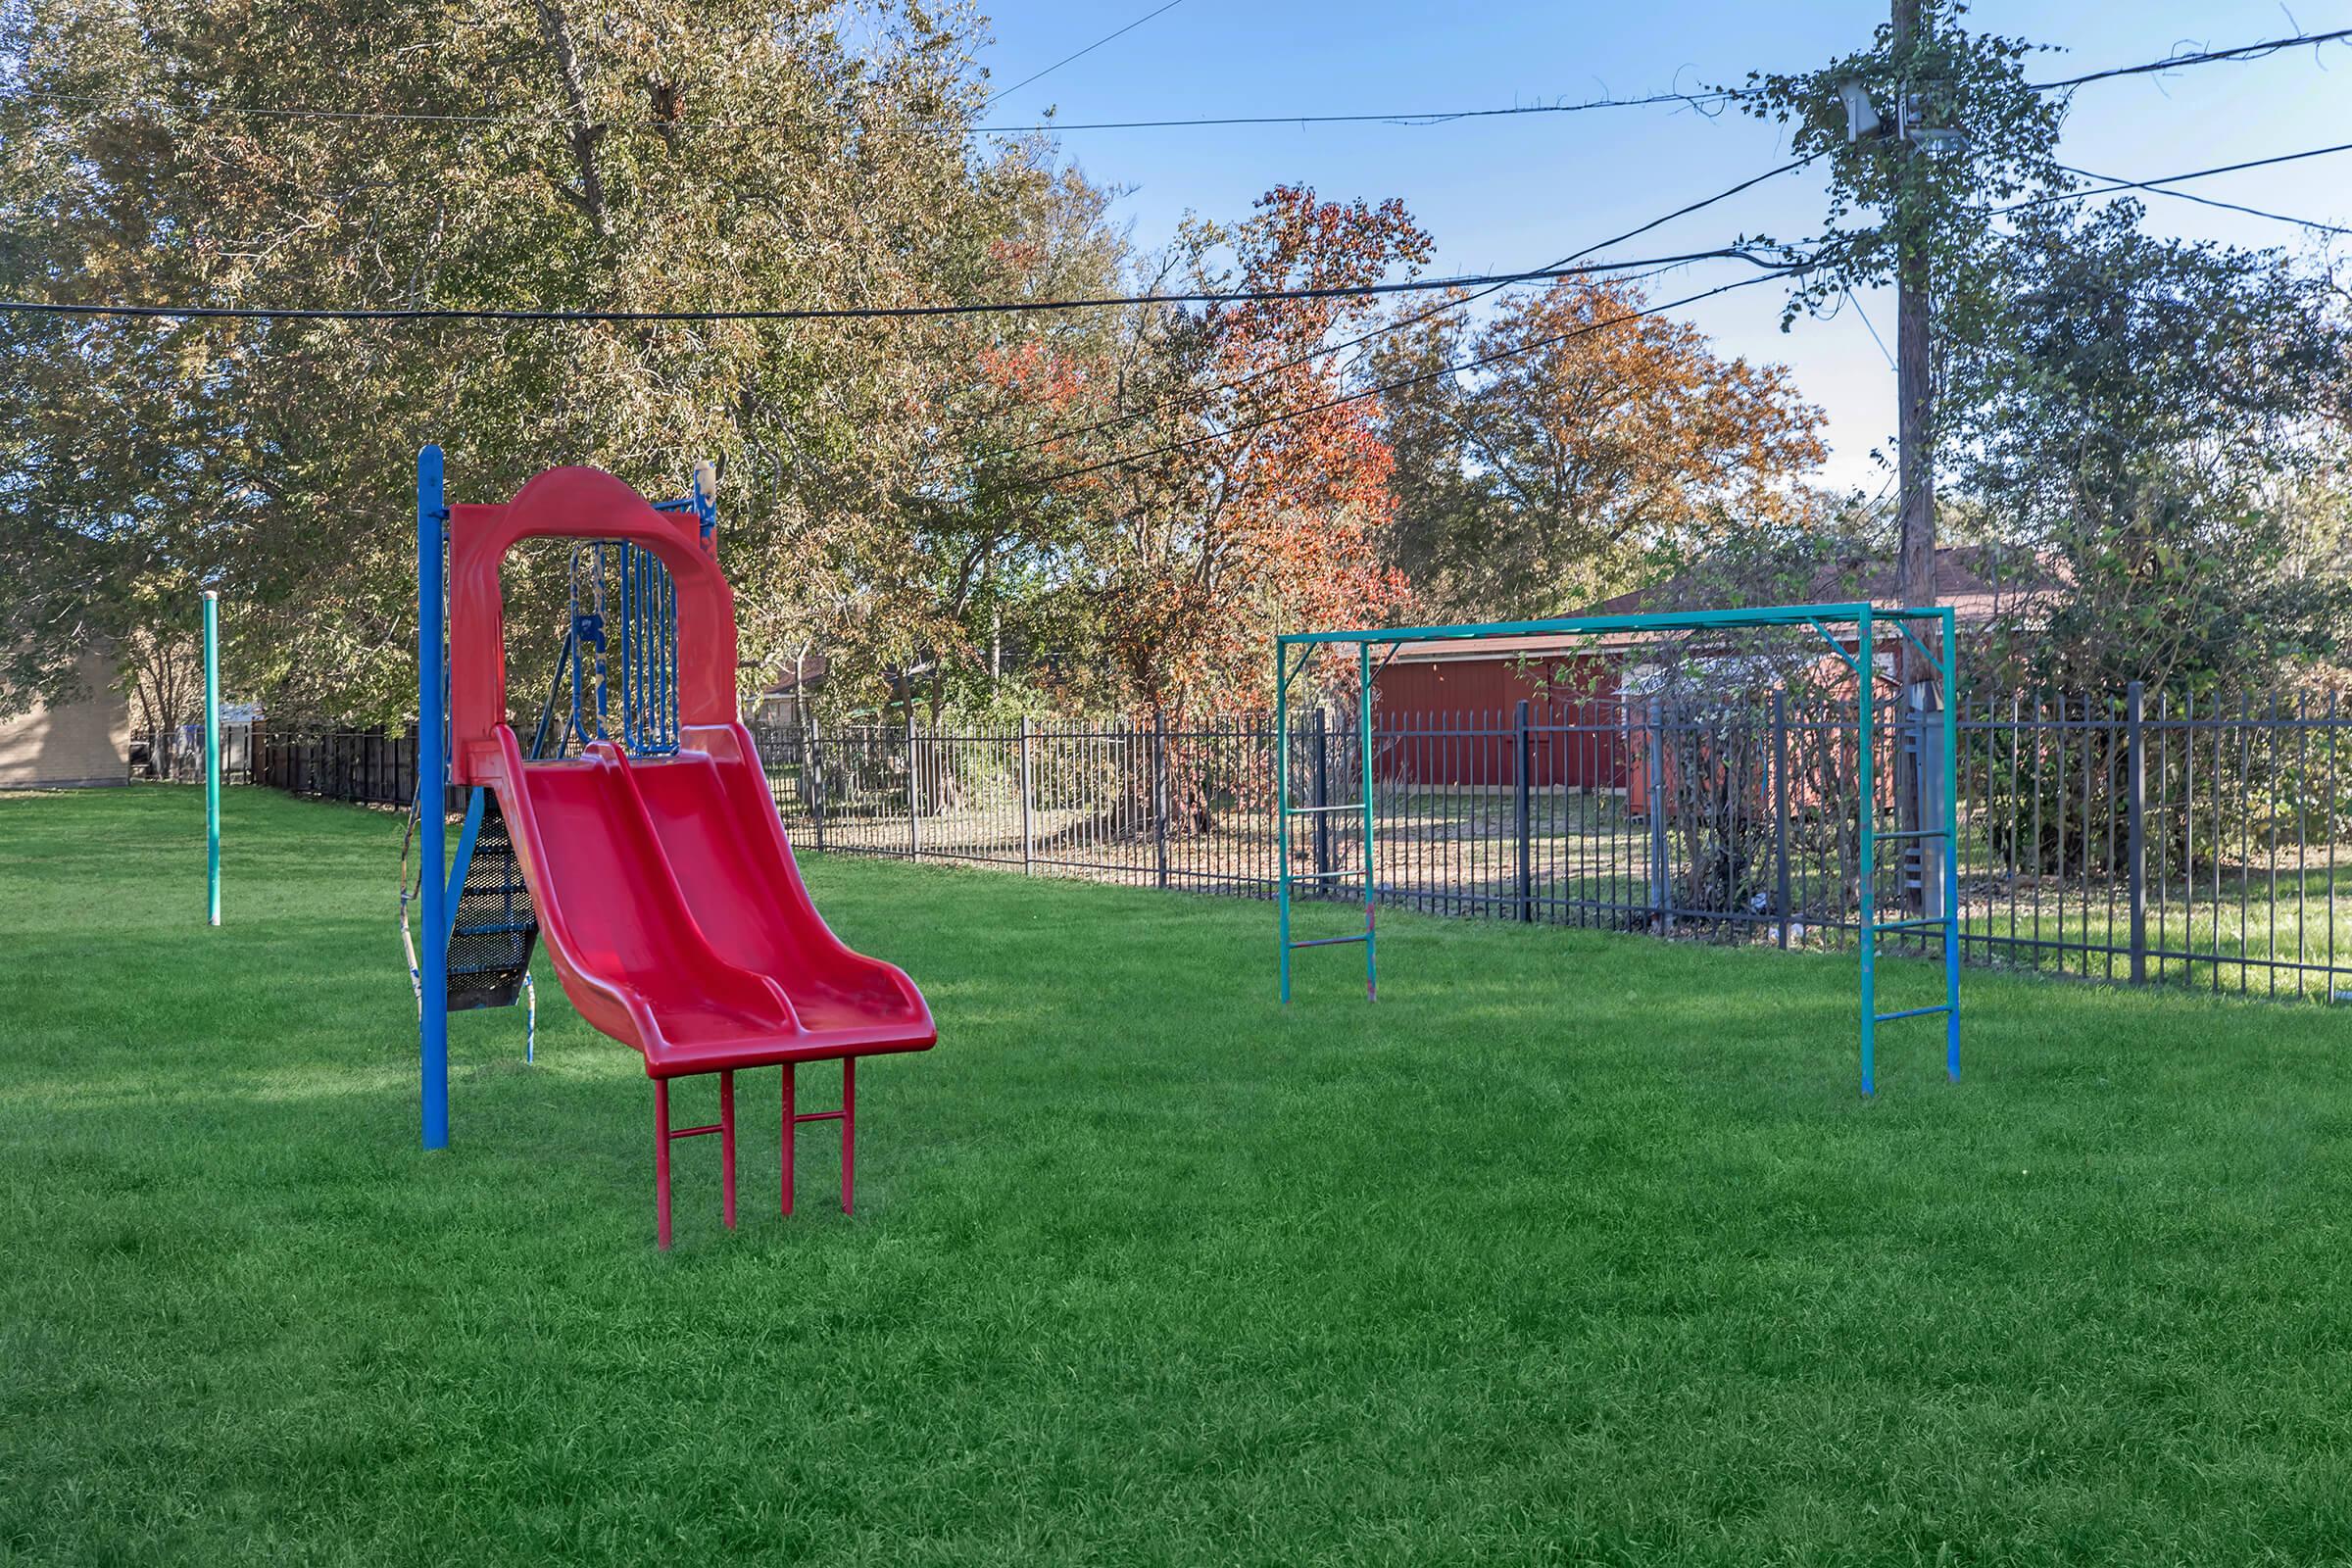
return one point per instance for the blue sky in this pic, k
(1519, 191)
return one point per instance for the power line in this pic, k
(1087, 50)
(1871, 327)
(1382, 330)
(2169, 180)
(2157, 188)
(2243, 51)
(1121, 459)
(446, 312)
(1403, 118)
(1407, 118)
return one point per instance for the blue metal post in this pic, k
(212, 757)
(468, 831)
(604, 668)
(1282, 807)
(1866, 790)
(1364, 748)
(1951, 843)
(631, 700)
(432, 771)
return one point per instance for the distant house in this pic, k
(1451, 705)
(792, 696)
(79, 744)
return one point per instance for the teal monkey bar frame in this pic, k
(1866, 619)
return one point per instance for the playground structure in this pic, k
(637, 835)
(1934, 841)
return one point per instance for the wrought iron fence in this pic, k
(364, 767)
(177, 755)
(2115, 838)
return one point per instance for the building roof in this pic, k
(813, 670)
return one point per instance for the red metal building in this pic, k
(1452, 708)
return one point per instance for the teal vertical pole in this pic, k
(1282, 808)
(1866, 803)
(1951, 844)
(212, 757)
(1364, 747)
(432, 805)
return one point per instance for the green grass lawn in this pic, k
(1575, 1249)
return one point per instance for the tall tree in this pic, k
(2165, 429)
(662, 155)
(1237, 490)
(1569, 473)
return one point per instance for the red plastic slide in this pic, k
(666, 888)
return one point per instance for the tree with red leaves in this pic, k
(1227, 504)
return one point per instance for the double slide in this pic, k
(666, 889)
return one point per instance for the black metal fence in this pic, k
(176, 756)
(366, 766)
(2126, 838)
(362, 766)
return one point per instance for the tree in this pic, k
(954, 568)
(1567, 474)
(1958, 130)
(2165, 428)
(1235, 489)
(662, 155)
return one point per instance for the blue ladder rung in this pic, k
(1325, 876)
(1936, 924)
(488, 968)
(508, 928)
(1332, 942)
(1914, 833)
(1316, 810)
(1911, 1012)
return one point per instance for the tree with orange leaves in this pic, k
(1231, 495)
(1570, 472)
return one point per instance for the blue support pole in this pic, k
(212, 758)
(1364, 748)
(432, 771)
(1951, 843)
(1866, 792)
(1282, 808)
(632, 701)
(468, 831)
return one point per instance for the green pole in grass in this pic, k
(211, 756)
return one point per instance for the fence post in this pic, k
(1658, 857)
(914, 832)
(1522, 751)
(816, 759)
(1322, 797)
(1780, 801)
(1927, 773)
(2135, 862)
(1159, 791)
(1028, 831)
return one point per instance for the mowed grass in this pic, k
(1574, 1249)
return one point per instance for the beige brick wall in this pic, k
(84, 743)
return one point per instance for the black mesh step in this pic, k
(490, 944)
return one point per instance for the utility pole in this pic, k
(1915, 558)
(1915, 563)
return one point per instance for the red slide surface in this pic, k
(666, 888)
(677, 919)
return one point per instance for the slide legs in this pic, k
(847, 1115)
(664, 1136)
